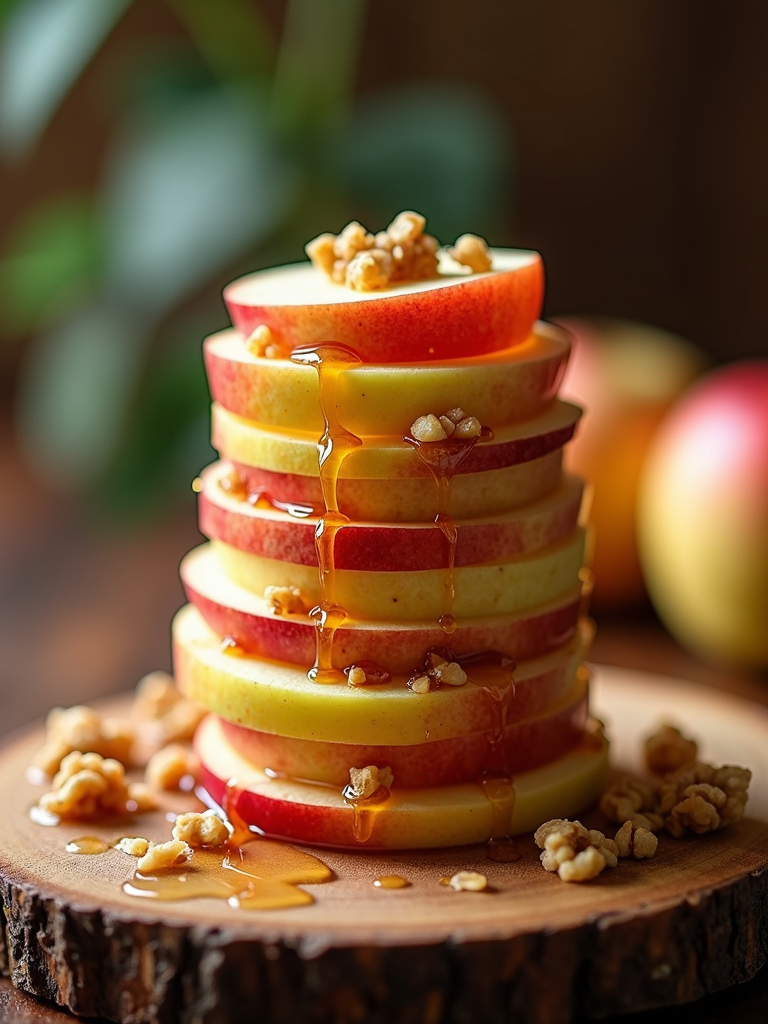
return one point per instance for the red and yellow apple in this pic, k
(410, 818)
(499, 388)
(448, 317)
(626, 375)
(703, 516)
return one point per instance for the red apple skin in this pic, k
(482, 313)
(626, 375)
(703, 517)
(293, 640)
(382, 548)
(516, 388)
(526, 744)
(472, 495)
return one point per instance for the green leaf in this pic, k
(52, 261)
(187, 192)
(441, 149)
(76, 385)
(45, 46)
(232, 35)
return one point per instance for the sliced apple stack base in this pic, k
(277, 746)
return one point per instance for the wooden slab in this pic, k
(533, 949)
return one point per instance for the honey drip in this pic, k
(88, 845)
(443, 459)
(391, 882)
(333, 447)
(364, 811)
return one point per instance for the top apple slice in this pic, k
(447, 317)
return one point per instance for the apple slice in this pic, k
(523, 745)
(387, 458)
(503, 387)
(265, 530)
(411, 818)
(471, 494)
(496, 588)
(231, 610)
(448, 317)
(279, 698)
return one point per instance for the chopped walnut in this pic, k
(162, 713)
(428, 428)
(285, 600)
(136, 846)
(565, 842)
(632, 841)
(161, 856)
(87, 785)
(448, 425)
(703, 798)
(83, 728)
(170, 765)
(667, 750)
(468, 881)
(265, 343)
(455, 415)
(450, 673)
(356, 676)
(633, 799)
(364, 782)
(368, 262)
(420, 684)
(206, 829)
(141, 798)
(472, 251)
(467, 428)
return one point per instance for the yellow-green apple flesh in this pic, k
(411, 818)
(703, 516)
(411, 499)
(279, 698)
(522, 745)
(502, 587)
(387, 458)
(626, 375)
(232, 611)
(498, 388)
(448, 317)
(262, 529)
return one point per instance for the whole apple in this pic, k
(703, 516)
(626, 375)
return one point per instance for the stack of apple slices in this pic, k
(509, 747)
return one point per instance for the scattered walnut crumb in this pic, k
(631, 798)
(450, 673)
(468, 881)
(356, 676)
(206, 829)
(135, 846)
(667, 750)
(703, 798)
(420, 684)
(573, 851)
(161, 856)
(632, 841)
(87, 785)
(367, 262)
(365, 782)
(454, 423)
(428, 428)
(169, 765)
(264, 342)
(472, 251)
(285, 600)
(83, 728)
(162, 714)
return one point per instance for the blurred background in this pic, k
(153, 150)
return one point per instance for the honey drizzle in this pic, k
(443, 459)
(334, 446)
(364, 810)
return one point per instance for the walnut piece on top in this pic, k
(454, 423)
(471, 251)
(367, 782)
(285, 600)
